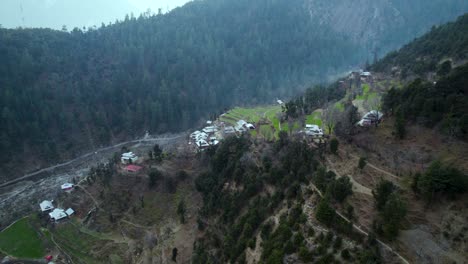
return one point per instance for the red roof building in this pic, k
(133, 168)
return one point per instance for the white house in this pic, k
(69, 211)
(229, 130)
(250, 126)
(46, 206)
(57, 214)
(280, 102)
(241, 123)
(371, 118)
(365, 74)
(313, 130)
(210, 129)
(67, 186)
(129, 157)
(202, 144)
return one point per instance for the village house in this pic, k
(202, 144)
(129, 157)
(229, 131)
(210, 129)
(371, 118)
(250, 126)
(67, 186)
(133, 168)
(58, 214)
(313, 131)
(46, 205)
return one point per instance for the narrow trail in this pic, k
(135, 225)
(61, 250)
(362, 231)
(357, 187)
(48, 169)
(373, 166)
(91, 196)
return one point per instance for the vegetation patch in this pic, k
(267, 132)
(340, 106)
(21, 240)
(314, 119)
(76, 243)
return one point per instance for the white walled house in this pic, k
(46, 206)
(128, 157)
(57, 214)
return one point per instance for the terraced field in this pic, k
(22, 240)
(266, 119)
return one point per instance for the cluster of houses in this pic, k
(212, 134)
(208, 136)
(361, 74)
(57, 214)
(371, 118)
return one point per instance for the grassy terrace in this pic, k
(267, 116)
(22, 240)
(75, 242)
(314, 119)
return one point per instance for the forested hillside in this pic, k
(64, 92)
(449, 41)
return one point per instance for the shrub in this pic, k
(341, 188)
(441, 178)
(382, 193)
(362, 163)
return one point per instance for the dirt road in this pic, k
(357, 187)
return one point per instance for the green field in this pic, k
(366, 93)
(314, 119)
(75, 242)
(268, 114)
(340, 106)
(252, 115)
(21, 240)
(267, 132)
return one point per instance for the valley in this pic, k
(214, 134)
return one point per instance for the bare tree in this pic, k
(330, 117)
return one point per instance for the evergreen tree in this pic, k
(382, 193)
(334, 143)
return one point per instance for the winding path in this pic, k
(357, 187)
(375, 167)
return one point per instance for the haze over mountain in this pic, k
(367, 167)
(63, 93)
(75, 13)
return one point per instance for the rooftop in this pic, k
(46, 205)
(133, 168)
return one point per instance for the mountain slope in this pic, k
(423, 54)
(62, 93)
(383, 25)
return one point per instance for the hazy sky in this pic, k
(75, 13)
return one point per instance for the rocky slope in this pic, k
(382, 25)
